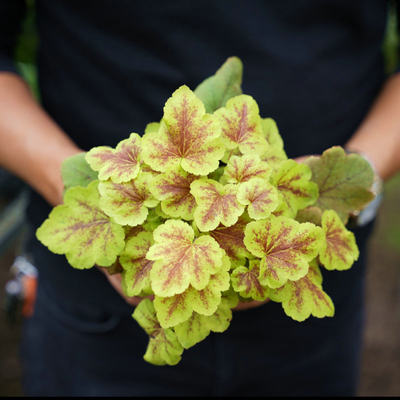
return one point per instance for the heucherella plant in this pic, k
(205, 210)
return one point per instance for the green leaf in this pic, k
(178, 308)
(172, 188)
(241, 125)
(164, 347)
(216, 90)
(127, 202)
(81, 230)
(339, 250)
(260, 197)
(285, 247)
(198, 326)
(121, 164)
(187, 137)
(180, 261)
(344, 181)
(136, 267)
(216, 204)
(230, 238)
(75, 171)
(304, 297)
(246, 282)
(293, 182)
(274, 154)
(242, 169)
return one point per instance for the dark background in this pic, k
(380, 373)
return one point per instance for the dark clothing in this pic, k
(107, 67)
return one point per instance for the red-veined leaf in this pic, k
(260, 197)
(285, 247)
(187, 137)
(172, 188)
(216, 204)
(180, 261)
(121, 164)
(304, 297)
(81, 230)
(241, 125)
(340, 249)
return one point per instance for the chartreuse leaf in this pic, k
(172, 188)
(260, 197)
(187, 137)
(164, 347)
(216, 204)
(121, 164)
(216, 90)
(152, 127)
(344, 181)
(81, 230)
(274, 154)
(285, 247)
(304, 297)
(339, 250)
(180, 261)
(75, 171)
(198, 326)
(246, 282)
(127, 202)
(178, 308)
(293, 182)
(271, 133)
(241, 125)
(136, 267)
(230, 238)
(244, 168)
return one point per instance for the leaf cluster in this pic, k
(205, 209)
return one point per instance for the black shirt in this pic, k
(106, 68)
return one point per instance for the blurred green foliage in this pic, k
(390, 45)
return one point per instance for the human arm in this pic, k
(378, 136)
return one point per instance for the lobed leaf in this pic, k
(285, 247)
(230, 238)
(339, 250)
(136, 267)
(198, 326)
(187, 137)
(216, 204)
(164, 347)
(260, 197)
(216, 90)
(246, 282)
(81, 230)
(180, 261)
(344, 181)
(304, 297)
(241, 125)
(176, 309)
(120, 164)
(293, 182)
(172, 188)
(75, 171)
(127, 202)
(243, 168)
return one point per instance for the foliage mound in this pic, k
(205, 210)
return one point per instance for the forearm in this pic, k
(378, 137)
(32, 145)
